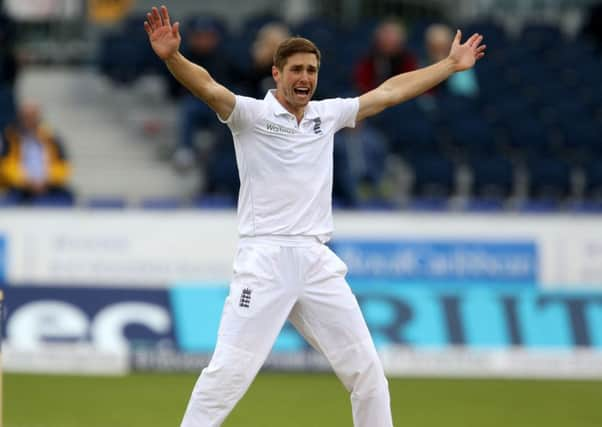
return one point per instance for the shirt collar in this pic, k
(278, 110)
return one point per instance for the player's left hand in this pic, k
(465, 55)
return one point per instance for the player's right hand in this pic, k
(164, 38)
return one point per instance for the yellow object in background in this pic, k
(108, 11)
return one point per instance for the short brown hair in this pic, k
(294, 45)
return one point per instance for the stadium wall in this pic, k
(111, 291)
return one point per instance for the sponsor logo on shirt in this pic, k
(279, 129)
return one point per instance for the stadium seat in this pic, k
(53, 201)
(472, 135)
(540, 36)
(492, 177)
(484, 205)
(539, 206)
(214, 201)
(549, 178)
(529, 135)
(593, 179)
(161, 203)
(7, 200)
(105, 203)
(428, 204)
(434, 176)
(586, 207)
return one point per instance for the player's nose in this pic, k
(304, 77)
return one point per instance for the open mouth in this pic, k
(301, 91)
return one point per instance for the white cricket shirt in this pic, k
(285, 168)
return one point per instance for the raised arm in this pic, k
(165, 40)
(403, 87)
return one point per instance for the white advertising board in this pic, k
(132, 248)
(160, 248)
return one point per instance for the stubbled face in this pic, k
(297, 81)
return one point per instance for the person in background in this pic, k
(221, 176)
(388, 57)
(438, 39)
(258, 80)
(360, 155)
(33, 161)
(203, 40)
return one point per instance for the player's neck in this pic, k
(298, 112)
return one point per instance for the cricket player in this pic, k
(282, 268)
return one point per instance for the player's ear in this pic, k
(275, 73)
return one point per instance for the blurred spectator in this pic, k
(33, 160)
(258, 80)
(437, 40)
(221, 177)
(202, 42)
(359, 163)
(8, 69)
(388, 57)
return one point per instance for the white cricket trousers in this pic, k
(301, 279)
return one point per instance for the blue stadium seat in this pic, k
(472, 135)
(549, 178)
(529, 135)
(428, 204)
(7, 200)
(53, 201)
(540, 36)
(215, 201)
(586, 207)
(434, 176)
(161, 203)
(484, 205)
(376, 204)
(492, 177)
(592, 171)
(581, 138)
(539, 206)
(105, 203)
(494, 32)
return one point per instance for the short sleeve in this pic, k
(346, 111)
(245, 111)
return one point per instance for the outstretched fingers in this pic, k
(480, 51)
(156, 18)
(474, 40)
(458, 37)
(165, 15)
(148, 28)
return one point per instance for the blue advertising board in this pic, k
(477, 317)
(186, 319)
(458, 261)
(112, 320)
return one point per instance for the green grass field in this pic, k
(298, 400)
